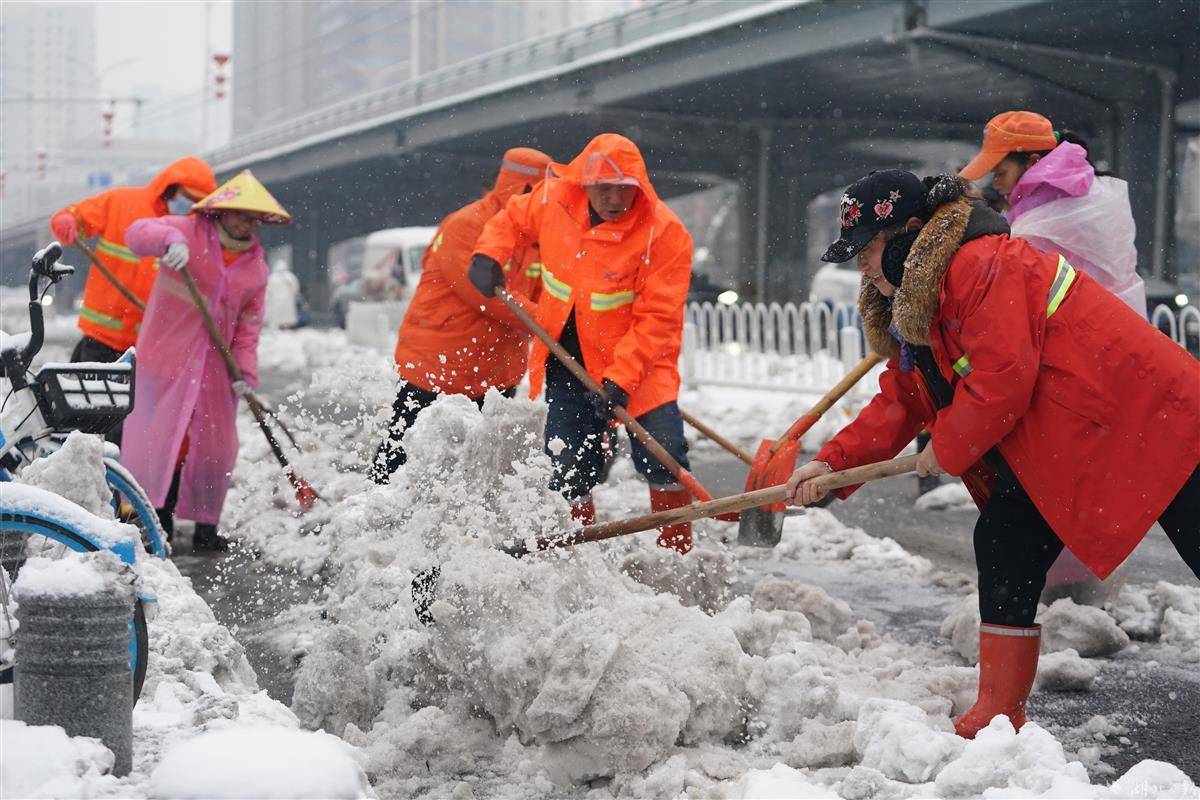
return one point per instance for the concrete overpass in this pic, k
(784, 98)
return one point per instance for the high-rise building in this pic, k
(48, 81)
(292, 58)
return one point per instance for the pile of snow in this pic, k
(1165, 611)
(261, 762)
(198, 679)
(1085, 629)
(818, 535)
(1066, 671)
(951, 496)
(579, 671)
(69, 575)
(43, 761)
(337, 413)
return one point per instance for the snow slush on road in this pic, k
(562, 675)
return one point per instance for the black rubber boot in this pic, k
(206, 539)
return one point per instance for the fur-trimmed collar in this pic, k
(916, 301)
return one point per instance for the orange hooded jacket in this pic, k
(625, 281)
(106, 315)
(451, 339)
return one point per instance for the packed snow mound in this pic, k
(948, 497)
(75, 471)
(819, 535)
(897, 739)
(73, 574)
(961, 627)
(338, 416)
(43, 761)
(1066, 671)
(1085, 629)
(1029, 763)
(558, 668)
(704, 577)
(262, 762)
(1166, 611)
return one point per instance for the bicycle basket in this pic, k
(92, 397)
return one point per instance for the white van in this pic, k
(391, 265)
(387, 271)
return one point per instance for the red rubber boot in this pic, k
(1008, 659)
(678, 537)
(583, 510)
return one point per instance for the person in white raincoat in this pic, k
(283, 297)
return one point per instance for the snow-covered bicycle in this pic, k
(37, 414)
(41, 410)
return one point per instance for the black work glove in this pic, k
(614, 396)
(485, 275)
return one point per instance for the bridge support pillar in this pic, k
(1144, 155)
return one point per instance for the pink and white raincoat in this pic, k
(1060, 205)
(182, 385)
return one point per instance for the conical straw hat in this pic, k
(244, 193)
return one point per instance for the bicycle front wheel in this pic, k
(23, 536)
(126, 490)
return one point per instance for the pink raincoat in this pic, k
(1060, 206)
(182, 386)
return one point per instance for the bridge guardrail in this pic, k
(521, 62)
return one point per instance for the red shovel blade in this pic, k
(306, 496)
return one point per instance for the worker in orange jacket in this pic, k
(450, 341)
(109, 321)
(617, 264)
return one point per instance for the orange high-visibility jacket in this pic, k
(625, 281)
(452, 340)
(106, 315)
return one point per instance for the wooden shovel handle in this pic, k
(723, 505)
(801, 426)
(632, 425)
(120, 287)
(727, 445)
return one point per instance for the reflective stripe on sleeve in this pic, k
(608, 302)
(1062, 282)
(116, 251)
(103, 320)
(555, 287)
(963, 366)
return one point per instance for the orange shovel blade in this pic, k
(306, 496)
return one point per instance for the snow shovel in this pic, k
(680, 474)
(424, 585)
(120, 287)
(711, 434)
(306, 496)
(775, 461)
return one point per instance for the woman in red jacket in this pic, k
(1071, 420)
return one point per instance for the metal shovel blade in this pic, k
(760, 527)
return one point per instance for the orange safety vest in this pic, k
(106, 315)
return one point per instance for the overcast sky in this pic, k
(159, 44)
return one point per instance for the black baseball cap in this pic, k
(882, 199)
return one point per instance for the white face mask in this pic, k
(180, 204)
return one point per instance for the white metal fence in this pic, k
(807, 347)
(799, 348)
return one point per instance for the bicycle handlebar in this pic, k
(45, 265)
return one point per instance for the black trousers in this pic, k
(1015, 548)
(410, 401)
(88, 349)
